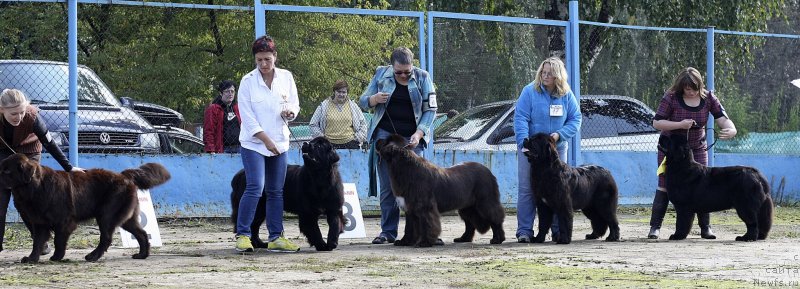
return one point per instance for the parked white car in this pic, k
(610, 123)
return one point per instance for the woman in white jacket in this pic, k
(267, 102)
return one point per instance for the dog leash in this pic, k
(8, 146)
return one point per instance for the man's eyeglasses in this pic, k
(407, 72)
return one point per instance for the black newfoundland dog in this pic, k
(695, 188)
(424, 190)
(310, 190)
(56, 201)
(559, 188)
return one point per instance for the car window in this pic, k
(614, 117)
(183, 145)
(471, 124)
(49, 83)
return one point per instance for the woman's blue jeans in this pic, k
(526, 204)
(262, 172)
(390, 212)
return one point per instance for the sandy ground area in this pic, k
(199, 253)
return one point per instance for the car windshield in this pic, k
(471, 124)
(48, 83)
(614, 117)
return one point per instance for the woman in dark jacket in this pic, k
(221, 122)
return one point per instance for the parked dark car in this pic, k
(104, 124)
(610, 122)
(154, 113)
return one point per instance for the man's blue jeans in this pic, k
(262, 171)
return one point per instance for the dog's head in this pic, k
(391, 146)
(541, 149)
(18, 170)
(676, 148)
(319, 153)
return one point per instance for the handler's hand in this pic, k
(413, 141)
(77, 169)
(727, 133)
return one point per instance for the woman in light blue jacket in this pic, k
(404, 101)
(547, 105)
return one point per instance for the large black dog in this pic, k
(559, 188)
(425, 190)
(310, 191)
(695, 188)
(56, 201)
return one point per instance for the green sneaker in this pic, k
(282, 244)
(243, 244)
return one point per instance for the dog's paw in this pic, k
(424, 244)
(461, 240)
(538, 239)
(258, 244)
(323, 247)
(402, 242)
(612, 239)
(592, 236)
(91, 257)
(29, 260)
(140, 256)
(56, 258)
(563, 241)
(675, 237)
(496, 241)
(745, 239)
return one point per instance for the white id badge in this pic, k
(556, 110)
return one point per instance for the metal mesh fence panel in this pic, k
(625, 73)
(480, 69)
(755, 82)
(323, 48)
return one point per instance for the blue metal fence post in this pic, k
(574, 66)
(72, 39)
(710, 87)
(429, 68)
(260, 21)
(422, 59)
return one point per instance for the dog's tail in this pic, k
(148, 175)
(765, 213)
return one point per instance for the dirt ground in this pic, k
(199, 253)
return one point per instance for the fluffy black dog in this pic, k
(57, 201)
(310, 191)
(695, 188)
(561, 189)
(425, 190)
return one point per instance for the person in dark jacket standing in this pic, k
(221, 122)
(21, 131)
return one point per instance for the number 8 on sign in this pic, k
(354, 228)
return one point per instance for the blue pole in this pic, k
(574, 66)
(260, 21)
(72, 39)
(710, 87)
(421, 24)
(430, 46)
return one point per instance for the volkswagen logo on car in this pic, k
(105, 138)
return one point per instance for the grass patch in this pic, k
(519, 273)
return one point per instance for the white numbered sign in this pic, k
(147, 217)
(354, 228)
